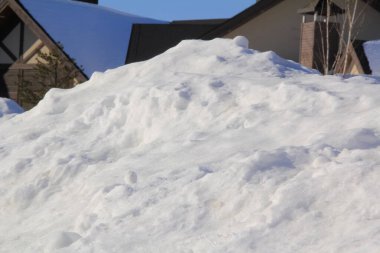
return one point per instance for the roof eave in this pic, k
(241, 18)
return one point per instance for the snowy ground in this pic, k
(210, 147)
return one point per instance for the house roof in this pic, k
(254, 11)
(96, 37)
(149, 40)
(320, 6)
(241, 18)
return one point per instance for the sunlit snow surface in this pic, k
(210, 147)
(372, 51)
(96, 37)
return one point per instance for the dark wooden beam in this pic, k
(22, 66)
(5, 66)
(8, 52)
(3, 5)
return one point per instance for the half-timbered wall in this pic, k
(21, 41)
(5, 58)
(15, 41)
(19, 48)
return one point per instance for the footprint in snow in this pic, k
(131, 178)
(61, 240)
(184, 94)
(117, 191)
(216, 84)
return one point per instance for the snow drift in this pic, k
(209, 147)
(8, 108)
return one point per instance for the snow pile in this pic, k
(9, 107)
(210, 147)
(372, 50)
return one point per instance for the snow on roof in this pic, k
(96, 37)
(372, 50)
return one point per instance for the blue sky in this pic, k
(180, 9)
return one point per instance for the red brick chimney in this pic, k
(313, 48)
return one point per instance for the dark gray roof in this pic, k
(149, 40)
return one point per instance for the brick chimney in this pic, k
(313, 48)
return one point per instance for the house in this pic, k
(94, 38)
(90, 37)
(291, 28)
(277, 25)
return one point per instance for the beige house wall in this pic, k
(369, 24)
(277, 29)
(368, 21)
(34, 58)
(354, 70)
